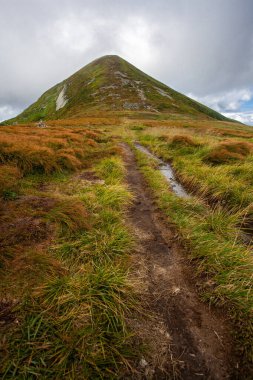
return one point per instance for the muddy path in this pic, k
(187, 339)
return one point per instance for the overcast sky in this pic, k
(203, 48)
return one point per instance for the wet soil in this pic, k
(167, 171)
(187, 340)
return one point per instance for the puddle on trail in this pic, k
(167, 171)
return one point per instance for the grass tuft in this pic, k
(9, 181)
(228, 151)
(183, 140)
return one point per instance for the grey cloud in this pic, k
(199, 47)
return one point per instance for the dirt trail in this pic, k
(188, 341)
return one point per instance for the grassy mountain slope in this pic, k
(112, 84)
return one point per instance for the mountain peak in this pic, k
(111, 84)
(110, 56)
(107, 58)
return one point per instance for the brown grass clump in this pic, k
(103, 119)
(228, 151)
(56, 143)
(231, 133)
(182, 140)
(68, 161)
(69, 214)
(91, 142)
(23, 221)
(28, 226)
(25, 230)
(46, 150)
(92, 135)
(9, 177)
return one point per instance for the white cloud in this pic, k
(229, 104)
(135, 42)
(244, 117)
(226, 101)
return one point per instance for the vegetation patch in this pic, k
(9, 181)
(210, 236)
(204, 179)
(183, 140)
(65, 297)
(46, 150)
(228, 151)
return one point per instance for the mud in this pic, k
(91, 177)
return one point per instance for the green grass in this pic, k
(212, 182)
(112, 170)
(211, 237)
(73, 324)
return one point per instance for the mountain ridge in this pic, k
(111, 84)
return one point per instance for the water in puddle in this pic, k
(167, 171)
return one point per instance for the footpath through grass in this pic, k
(224, 264)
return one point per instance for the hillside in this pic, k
(111, 84)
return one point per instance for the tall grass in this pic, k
(73, 323)
(35, 150)
(112, 170)
(9, 180)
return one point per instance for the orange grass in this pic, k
(44, 150)
(9, 179)
(183, 141)
(228, 151)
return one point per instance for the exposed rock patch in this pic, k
(119, 73)
(141, 94)
(163, 93)
(62, 100)
(131, 106)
